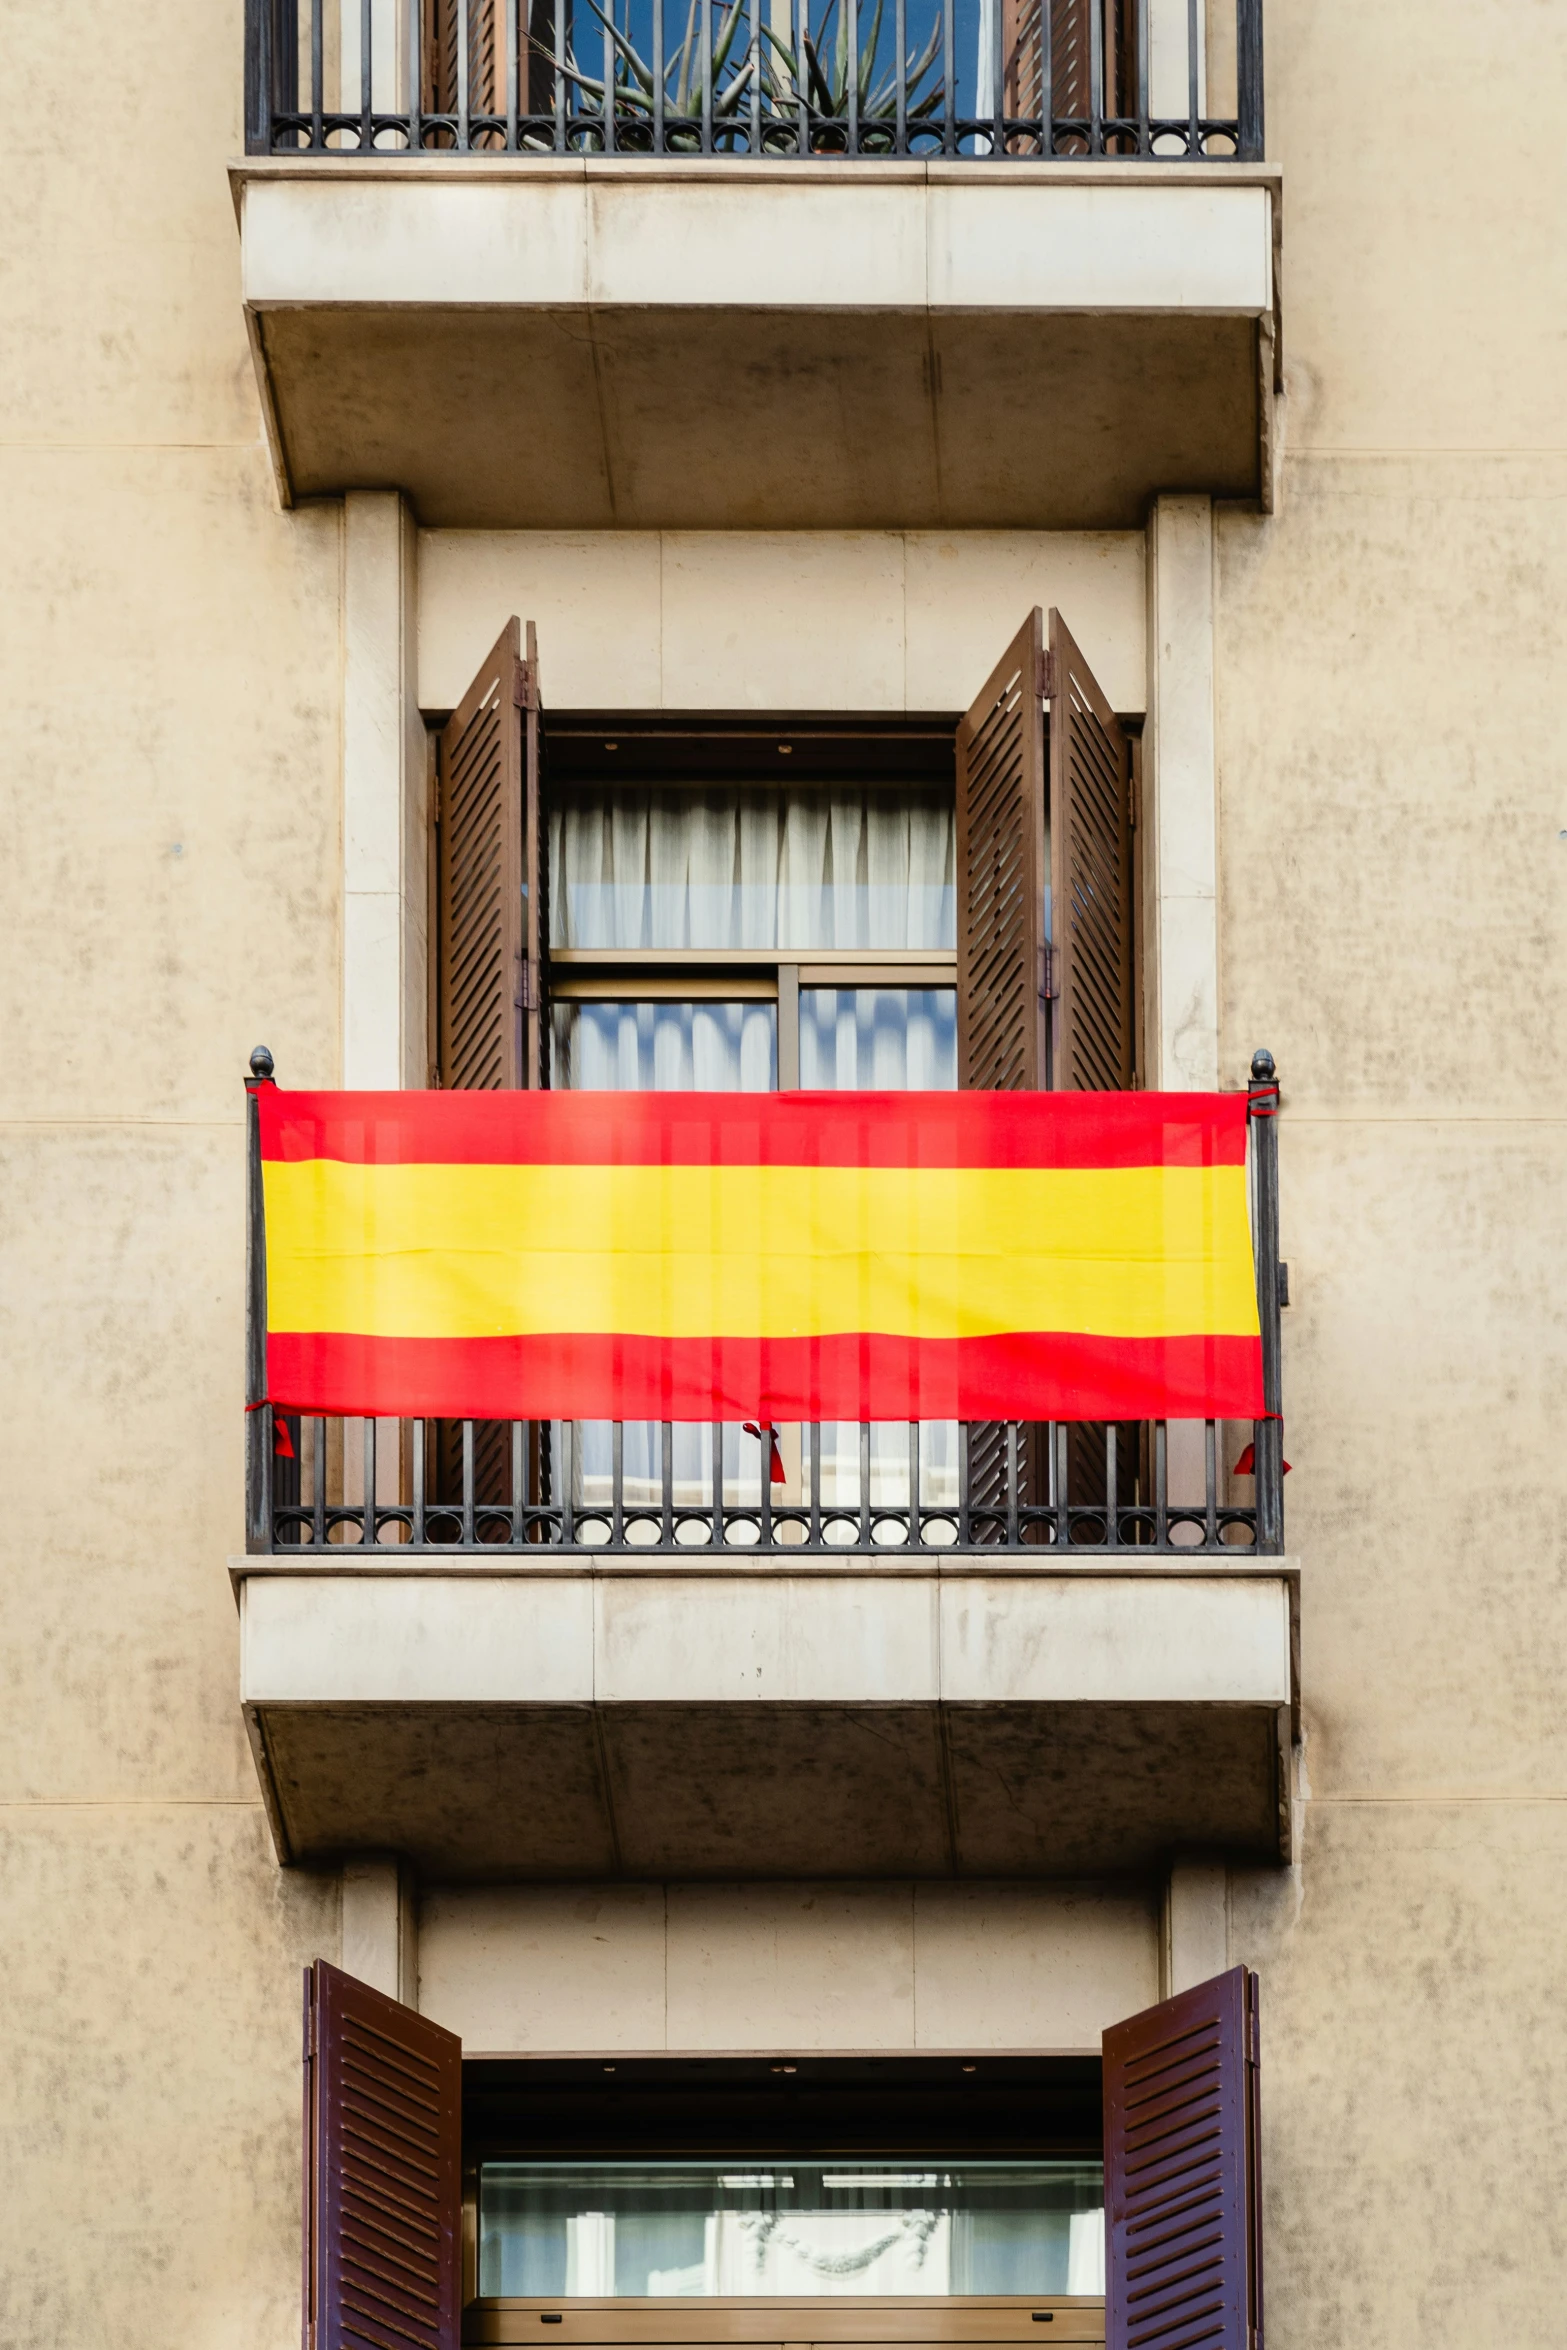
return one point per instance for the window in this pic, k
(715, 932)
(790, 2226)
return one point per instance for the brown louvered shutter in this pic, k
(1183, 2234)
(492, 924)
(1003, 872)
(1094, 1015)
(383, 2171)
(1003, 866)
(442, 48)
(490, 1016)
(1045, 945)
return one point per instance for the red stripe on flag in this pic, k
(854, 1377)
(748, 1130)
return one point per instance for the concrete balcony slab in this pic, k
(571, 343)
(928, 1720)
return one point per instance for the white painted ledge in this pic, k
(669, 1639)
(809, 241)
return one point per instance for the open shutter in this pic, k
(383, 2170)
(442, 49)
(1003, 872)
(488, 854)
(492, 926)
(1094, 1037)
(1046, 957)
(1183, 2251)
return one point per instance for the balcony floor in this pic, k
(574, 346)
(851, 1721)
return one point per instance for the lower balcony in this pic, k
(979, 1707)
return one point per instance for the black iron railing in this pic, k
(487, 1487)
(1003, 80)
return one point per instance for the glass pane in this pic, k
(896, 1039)
(743, 866)
(790, 2227)
(666, 1047)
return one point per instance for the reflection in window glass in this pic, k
(896, 1039)
(666, 1047)
(744, 866)
(791, 2228)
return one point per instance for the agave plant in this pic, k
(815, 79)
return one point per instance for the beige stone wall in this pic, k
(1391, 650)
(765, 620)
(1393, 883)
(169, 668)
(812, 1968)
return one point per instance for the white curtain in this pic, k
(666, 1047)
(893, 1039)
(737, 866)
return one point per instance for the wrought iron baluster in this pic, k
(1012, 1484)
(417, 1439)
(815, 1433)
(658, 77)
(464, 95)
(1096, 79)
(1248, 82)
(998, 144)
(366, 100)
(1057, 1435)
(1161, 1485)
(865, 1484)
(317, 75)
(1047, 95)
(1210, 1458)
(467, 1485)
(851, 10)
(1112, 1491)
(666, 1529)
(617, 1484)
(1144, 139)
(1268, 1440)
(900, 101)
(965, 1524)
(519, 1481)
(916, 1533)
(1193, 87)
(516, 37)
(706, 8)
(367, 1524)
(949, 82)
(415, 90)
(764, 1429)
(568, 1483)
(718, 1483)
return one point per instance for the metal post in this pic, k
(258, 77)
(1248, 79)
(1268, 1455)
(258, 1412)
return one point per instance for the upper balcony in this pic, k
(760, 263)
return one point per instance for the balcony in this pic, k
(524, 1649)
(1024, 279)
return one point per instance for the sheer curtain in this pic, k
(742, 866)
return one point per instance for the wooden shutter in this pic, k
(490, 1016)
(383, 2171)
(1094, 1014)
(492, 939)
(1183, 2241)
(1045, 942)
(1003, 869)
(442, 47)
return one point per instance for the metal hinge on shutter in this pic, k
(1047, 677)
(1049, 975)
(528, 988)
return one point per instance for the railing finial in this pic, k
(1263, 1071)
(261, 1066)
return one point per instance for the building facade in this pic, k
(504, 590)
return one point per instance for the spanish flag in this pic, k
(701, 1256)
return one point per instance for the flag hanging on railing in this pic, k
(858, 1256)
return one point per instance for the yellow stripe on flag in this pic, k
(432, 1251)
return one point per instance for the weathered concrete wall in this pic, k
(169, 657)
(803, 1967)
(1390, 653)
